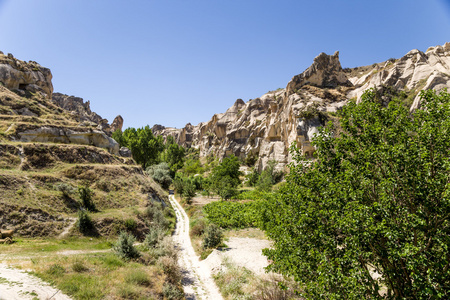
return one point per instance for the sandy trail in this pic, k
(18, 285)
(197, 282)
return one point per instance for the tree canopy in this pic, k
(369, 218)
(225, 177)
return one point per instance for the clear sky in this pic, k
(171, 62)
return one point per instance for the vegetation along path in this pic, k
(197, 281)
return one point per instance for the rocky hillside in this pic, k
(51, 144)
(263, 128)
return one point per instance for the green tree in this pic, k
(118, 137)
(376, 201)
(144, 146)
(225, 177)
(269, 177)
(173, 155)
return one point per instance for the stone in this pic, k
(124, 152)
(117, 124)
(64, 135)
(17, 74)
(265, 127)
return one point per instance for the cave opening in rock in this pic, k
(22, 86)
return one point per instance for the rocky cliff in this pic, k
(31, 112)
(24, 76)
(51, 144)
(263, 128)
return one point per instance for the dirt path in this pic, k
(197, 281)
(66, 230)
(18, 285)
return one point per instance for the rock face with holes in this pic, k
(263, 128)
(24, 76)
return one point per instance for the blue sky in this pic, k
(171, 62)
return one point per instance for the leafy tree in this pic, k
(144, 146)
(225, 188)
(185, 186)
(376, 201)
(269, 177)
(173, 155)
(252, 177)
(225, 177)
(212, 237)
(118, 137)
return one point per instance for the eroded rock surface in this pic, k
(263, 128)
(29, 76)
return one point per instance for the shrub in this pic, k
(156, 215)
(198, 227)
(85, 225)
(56, 270)
(212, 237)
(155, 235)
(79, 267)
(172, 292)
(171, 269)
(161, 174)
(124, 247)
(64, 188)
(86, 198)
(130, 224)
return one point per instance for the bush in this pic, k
(86, 198)
(212, 237)
(172, 292)
(234, 214)
(79, 267)
(155, 236)
(198, 227)
(161, 174)
(56, 270)
(124, 247)
(85, 225)
(171, 269)
(130, 224)
(65, 188)
(155, 214)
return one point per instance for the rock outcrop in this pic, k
(69, 136)
(117, 124)
(82, 110)
(24, 76)
(30, 112)
(263, 128)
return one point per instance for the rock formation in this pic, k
(117, 124)
(263, 128)
(26, 94)
(78, 107)
(25, 76)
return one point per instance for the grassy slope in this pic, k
(32, 203)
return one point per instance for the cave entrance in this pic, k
(22, 86)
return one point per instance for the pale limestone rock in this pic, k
(20, 75)
(63, 135)
(268, 125)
